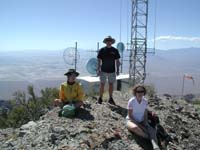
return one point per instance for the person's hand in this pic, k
(56, 102)
(98, 72)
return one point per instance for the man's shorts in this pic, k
(111, 77)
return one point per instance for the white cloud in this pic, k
(178, 38)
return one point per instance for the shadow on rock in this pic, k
(106, 142)
(144, 143)
(118, 109)
(84, 114)
(164, 138)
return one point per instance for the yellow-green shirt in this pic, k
(71, 93)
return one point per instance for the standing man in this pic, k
(108, 67)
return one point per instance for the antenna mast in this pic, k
(138, 51)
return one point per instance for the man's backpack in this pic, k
(68, 111)
(153, 119)
(162, 135)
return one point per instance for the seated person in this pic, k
(71, 91)
(137, 121)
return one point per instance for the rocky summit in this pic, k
(104, 127)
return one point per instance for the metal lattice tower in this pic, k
(137, 68)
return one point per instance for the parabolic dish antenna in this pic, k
(120, 47)
(91, 66)
(70, 55)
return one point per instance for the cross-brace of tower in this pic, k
(137, 67)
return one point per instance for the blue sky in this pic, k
(57, 24)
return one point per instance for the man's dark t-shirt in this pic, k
(108, 57)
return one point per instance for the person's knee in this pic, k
(110, 84)
(133, 128)
(138, 131)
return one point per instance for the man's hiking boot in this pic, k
(100, 100)
(111, 101)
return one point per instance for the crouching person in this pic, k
(70, 95)
(137, 118)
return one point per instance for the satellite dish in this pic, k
(70, 56)
(120, 47)
(91, 66)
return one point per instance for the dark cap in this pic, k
(109, 38)
(71, 71)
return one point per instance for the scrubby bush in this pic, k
(48, 95)
(189, 97)
(151, 92)
(196, 102)
(26, 107)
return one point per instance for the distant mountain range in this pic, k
(45, 68)
(179, 60)
(165, 70)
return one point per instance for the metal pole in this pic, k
(155, 16)
(75, 55)
(137, 68)
(120, 27)
(121, 61)
(183, 86)
(97, 46)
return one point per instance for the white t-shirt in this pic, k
(138, 108)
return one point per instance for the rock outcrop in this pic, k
(103, 127)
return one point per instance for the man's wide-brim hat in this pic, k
(71, 71)
(109, 38)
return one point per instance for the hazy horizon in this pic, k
(165, 69)
(79, 48)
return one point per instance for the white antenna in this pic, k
(154, 46)
(91, 66)
(127, 24)
(71, 56)
(75, 55)
(120, 24)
